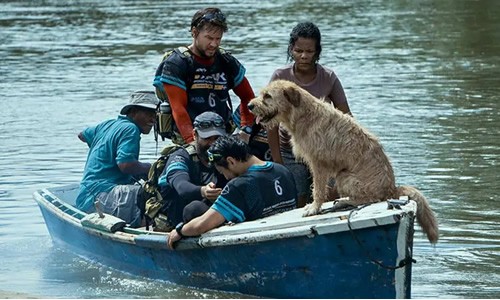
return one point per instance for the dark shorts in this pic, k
(300, 172)
(195, 209)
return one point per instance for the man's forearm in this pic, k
(134, 168)
(245, 93)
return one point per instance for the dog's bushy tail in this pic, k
(425, 216)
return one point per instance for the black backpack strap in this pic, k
(225, 62)
(191, 150)
(154, 200)
(186, 55)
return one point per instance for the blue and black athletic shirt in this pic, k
(260, 192)
(207, 86)
(181, 180)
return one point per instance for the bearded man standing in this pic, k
(197, 78)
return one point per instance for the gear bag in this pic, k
(165, 121)
(153, 198)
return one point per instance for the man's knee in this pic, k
(193, 210)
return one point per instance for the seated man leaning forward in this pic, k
(256, 189)
(113, 160)
(189, 184)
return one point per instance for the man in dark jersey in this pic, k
(188, 177)
(198, 78)
(256, 189)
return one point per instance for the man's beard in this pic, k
(203, 53)
(202, 152)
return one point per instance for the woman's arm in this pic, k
(273, 139)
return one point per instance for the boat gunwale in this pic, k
(220, 237)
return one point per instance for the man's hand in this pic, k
(210, 192)
(197, 226)
(173, 237)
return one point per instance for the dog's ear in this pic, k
(292, 95)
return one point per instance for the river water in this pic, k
(422, 75)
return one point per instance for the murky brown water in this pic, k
(423, 75)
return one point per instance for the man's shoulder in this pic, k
(125, 124)
(120, 125)
(279, 167)
(227, 58)
(179, 55)
(269, 166)
(109, 122)
(181, 151)
(278, 170)
(185, 153)
(178, 160)
(239, 181)
(257, 173)
(225, 53)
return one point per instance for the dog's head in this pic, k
(275, 102)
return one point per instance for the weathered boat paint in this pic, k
(282, 256)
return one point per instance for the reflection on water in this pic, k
(424, 76)
(87, 279)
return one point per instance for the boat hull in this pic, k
(333, 265)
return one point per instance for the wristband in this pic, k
(178, 228)
(246, 129)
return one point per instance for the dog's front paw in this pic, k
(311, 209)
(342, 204)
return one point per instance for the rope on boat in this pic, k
(407, 260)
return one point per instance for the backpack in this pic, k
(165, 122)
(153, 200)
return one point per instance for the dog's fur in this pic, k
(334, 145)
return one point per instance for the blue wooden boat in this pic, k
(361, 253)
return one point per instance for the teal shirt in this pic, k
(111, 142)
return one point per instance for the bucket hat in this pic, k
(146, 99)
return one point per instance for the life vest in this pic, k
(165, 123)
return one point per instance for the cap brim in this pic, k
(210, 132)
(127, 107)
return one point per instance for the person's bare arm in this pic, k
(344, 107)
(273, 139)
(134, 167)
(339, 98)
(197, 226)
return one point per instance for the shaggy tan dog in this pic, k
(334, 145)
